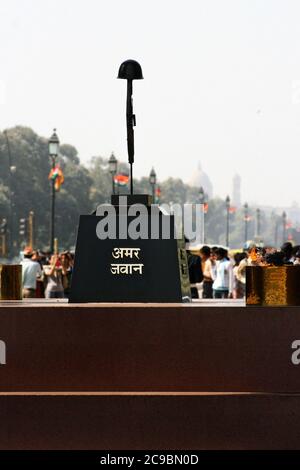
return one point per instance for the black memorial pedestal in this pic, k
(123, 269)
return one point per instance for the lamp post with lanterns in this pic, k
(152, 181)
(53, 153)
(113, 166)
(12, 171)
(202, 201)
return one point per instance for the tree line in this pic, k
(27, 188)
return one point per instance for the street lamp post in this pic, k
(246, 217)
(53, 153)
(12, 170)
(152, 181)
(202, 201)
(227, 219)
(113, 165)
(283, 227)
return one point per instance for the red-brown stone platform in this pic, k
(148, 376)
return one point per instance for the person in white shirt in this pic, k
(297, 258)
(31, 270)
(222, 285)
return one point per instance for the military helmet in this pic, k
(130, 70)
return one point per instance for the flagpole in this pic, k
(53, 153)
(30, 229)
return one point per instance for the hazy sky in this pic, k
(222, 84)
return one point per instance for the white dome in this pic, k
(200, 178)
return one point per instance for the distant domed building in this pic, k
(200, 178)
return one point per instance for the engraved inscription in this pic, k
(126, 268)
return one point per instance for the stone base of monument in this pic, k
(150, 421)
(149, 376)
(115, 262)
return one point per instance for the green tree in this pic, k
(30, 188)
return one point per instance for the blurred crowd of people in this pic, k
(216, 273)
(46, 276)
